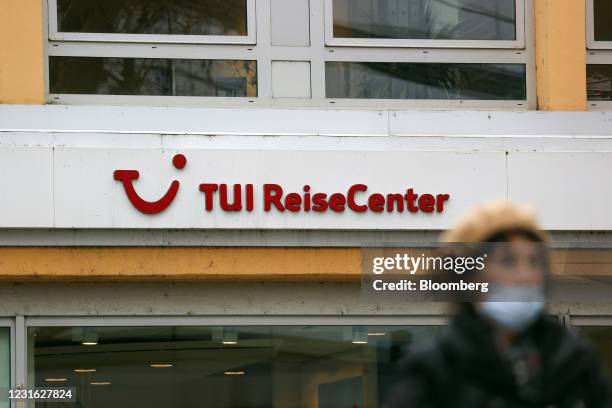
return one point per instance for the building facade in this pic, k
(187, 186)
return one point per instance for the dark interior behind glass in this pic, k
(599, 82)
(246, 366)
(5, 364)
(425, 19)
(152, 76)
(603, 20)
(182, 17)
(601, 338)
(385, 80)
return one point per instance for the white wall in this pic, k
(57, 164)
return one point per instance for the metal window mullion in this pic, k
(438, 104)
(153, 38)
(220, 102)
(433, 56)
(264, 45)
(21, 352)
(9, 323)
(590, 24)
(47, 16)
(152, 100)
(599, 57)
(318, 29)
(600, 45)
(152, 51)
(298, 320)
(51, 10)
(252, 22)
(395, 43)
(294, 53)
(576, 320)
(598, 106)
(13, 354)
(523, 10)
(529, 54)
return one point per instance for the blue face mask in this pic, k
(514, 307)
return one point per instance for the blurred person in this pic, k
(502, 350)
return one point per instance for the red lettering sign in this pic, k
(238, 197)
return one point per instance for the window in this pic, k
(599, 54)
(387, 80)
(599, 82)
(428, 50)
(136, 48)
(307, 53)
(429, 23)
(597, 330)
(601, 338)
(193, 21)
(5, 365)
(229, 366)
(152, 76)
(599, 20)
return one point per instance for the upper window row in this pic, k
(599, 57)
(205, 21)
(448, 23)
(599, 16)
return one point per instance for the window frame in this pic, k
(250, 38)
(597, 53)
(518, 43)
(455, 60)
(255, 320)
(588, 321)
(598, 57)
(138, 51)
(9, 323)
(316, 53)
(592, 44)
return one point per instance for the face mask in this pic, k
(514, 307)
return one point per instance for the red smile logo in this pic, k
(150, 207)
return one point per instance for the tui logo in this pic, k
(127, 177)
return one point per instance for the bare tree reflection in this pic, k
(153, 76)
(182, 17)
(148, 76)
(425, 19)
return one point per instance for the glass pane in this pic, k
(425, 19)
(152, 76)
(603, 20)
(186, 17)
(223, 367)
(599, 82)
(384, 80)
(601, 338)
(5, 363)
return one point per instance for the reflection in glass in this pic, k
(152, 76)
(599, 82)
(5, 363)
(601, 338)
(384, 80)
(603, 20)
(425, 19)
(267, 367)
(185, 17)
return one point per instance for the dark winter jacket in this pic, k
(549, 367)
